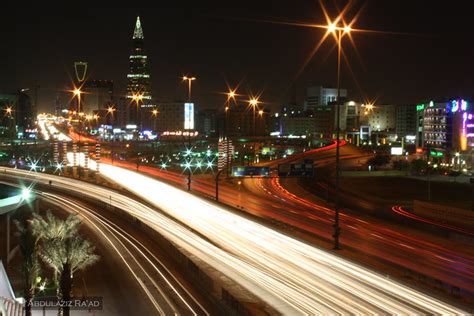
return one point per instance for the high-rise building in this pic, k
(98, 94)
(138, 88)
(206, 122)
(406, 121)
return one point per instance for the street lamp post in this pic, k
(11, 125)
(110, 111)
(155, 114)
(230, 95)
(254, 103)
(217, 184)
(77, 92)
(338, 31)
(189, 80)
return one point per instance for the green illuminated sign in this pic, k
(436, 153)
(420, 107)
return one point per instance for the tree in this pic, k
(401, 165)
(379, 160)
(63, 250)
(418, 165)
(30, 267)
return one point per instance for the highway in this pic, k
(440, 258)
(162, 292)
(293, 277)
(166, 294)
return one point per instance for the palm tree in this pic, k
(64, 250)
(30, 267)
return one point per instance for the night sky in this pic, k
(219, 41)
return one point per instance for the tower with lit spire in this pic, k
(138, 87)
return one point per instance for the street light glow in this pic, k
(187, 165)
(77, 91)
(253, 102)
(331, 28)
(26, 193)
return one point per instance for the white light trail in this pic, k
(291, 276)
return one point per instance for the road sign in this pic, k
(250, 171)
(305, 169)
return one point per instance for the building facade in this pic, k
(241, 120)
(379, 118)
(321, 96)
(206, 122)
(171, 116)
(448, 131)
(406, 121)
(18, 115)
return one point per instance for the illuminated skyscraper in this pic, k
(138, 88)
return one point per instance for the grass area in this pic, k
(408, 189)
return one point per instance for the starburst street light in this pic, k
(369, 106)
(253, 102)
(76, 93)
(187, 165)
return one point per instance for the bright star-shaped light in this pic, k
(26, 193)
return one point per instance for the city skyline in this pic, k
(238, 47)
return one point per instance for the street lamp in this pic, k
(77, 93)
(110, 111)
(155, 114)
(11, 123)
(338, 31)
(230, 96)
(136, 97)
(253, 102)
(189, 80)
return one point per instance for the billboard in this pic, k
(189, 116)
(396, 151)
(250, 171)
